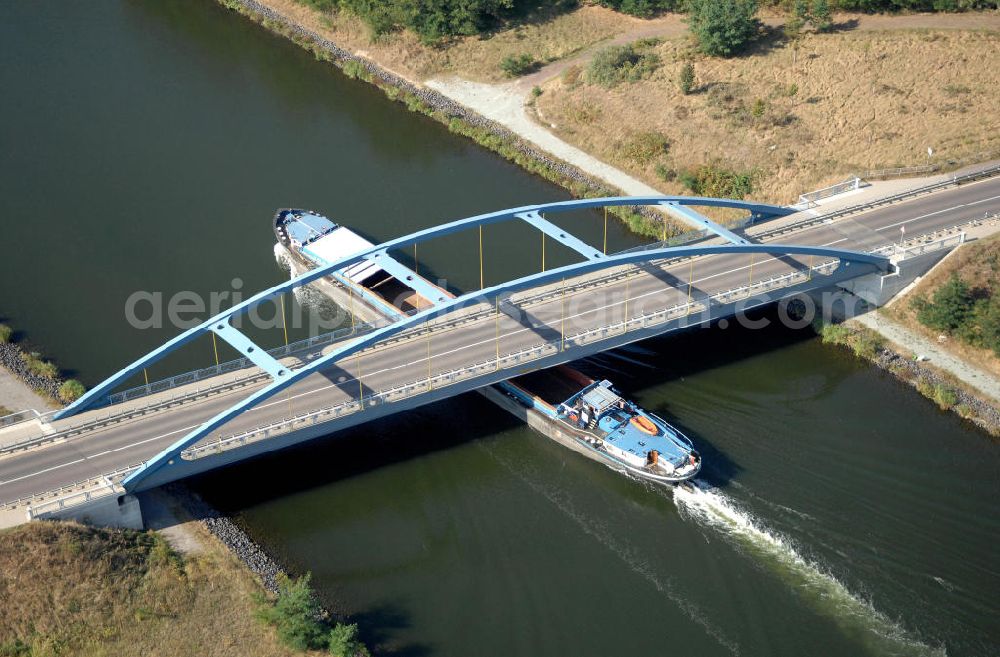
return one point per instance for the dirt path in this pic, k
(504, 103)
(673, 25)
(975, 377)
(16, 396)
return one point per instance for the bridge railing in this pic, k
(241, 363)
(504, 361)
(22, 416)
(70, 494)
(809, 199)
(987, 172)
(916, 245)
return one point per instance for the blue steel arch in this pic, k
(587, 266)
(220, 324)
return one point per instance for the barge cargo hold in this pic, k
(590, 417)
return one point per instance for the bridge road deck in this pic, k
(404, 360)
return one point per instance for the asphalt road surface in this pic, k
(648, 288)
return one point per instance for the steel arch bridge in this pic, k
(594, 260)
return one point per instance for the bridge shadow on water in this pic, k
(678, 356)
(377, 444)
(433, 428)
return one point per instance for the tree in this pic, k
(950, 309)
(686, 80)
(344, 642)
(820, 16)
(296, 614)
(723, 27)
(987, 321)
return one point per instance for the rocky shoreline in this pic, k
(11, 359)
(983, 413)
(429, 97)
(236, 540)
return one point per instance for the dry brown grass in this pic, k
(547, 39)
(832, 105)
(74, 590)
(976, 263)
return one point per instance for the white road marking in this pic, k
(475, 344)
(931, 214)
(35, 474)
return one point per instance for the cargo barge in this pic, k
(590, 417)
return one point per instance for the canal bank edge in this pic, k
(942, 388)
(44, 389)
(233, 538)
(460, 119)
(499, 139)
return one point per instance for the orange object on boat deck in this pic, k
(645, 425)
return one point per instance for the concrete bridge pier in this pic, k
(122, 510)
(878, 288)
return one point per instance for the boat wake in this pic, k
(612, 541)
(698, 501)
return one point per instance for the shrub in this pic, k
(40, 367)
(864, 343)
(986, 319)
(723, 28)
(616, 64)
(432, 20)
(15, 648)
(950, 309)
(354, 69)
(820, 16)
(6, 333)
(516, 65)
(299, 622)
(343, 641)
(834, 333)
(867, 344)
(71, 390)
(664, 173)
(956, 89)
(295, 614)
(643, 147)
(877, 6)
(759, 107)
(686, 79)
(536, 91)
(571, 76)
(642, 8)
(944, 396)
(713, 180)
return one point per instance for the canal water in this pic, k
(145, 146)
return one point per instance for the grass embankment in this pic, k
(967, 314)
(789, 116)
(74, 590)
(546, 35)
(793, 114)
(70, 589)
(939, 386)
